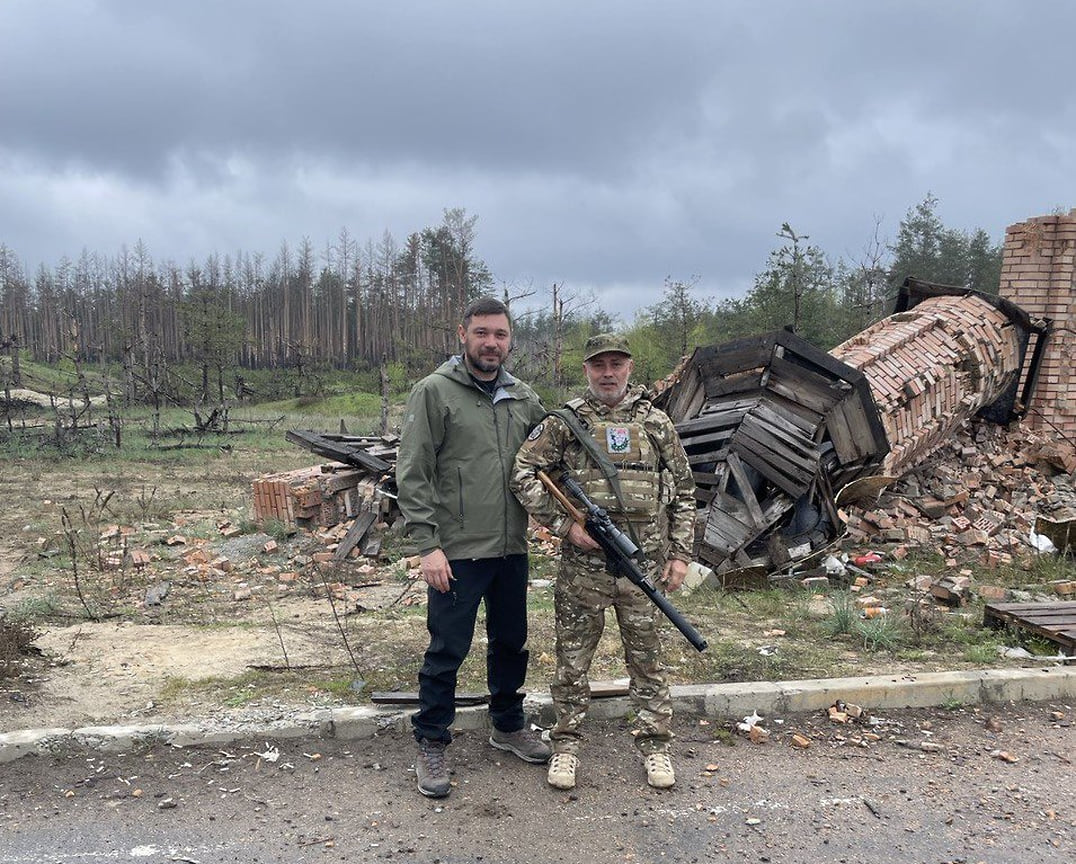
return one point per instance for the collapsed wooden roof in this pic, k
(771, 426)
(774, 426)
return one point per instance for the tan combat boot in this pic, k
(659, 771)
(562, 771)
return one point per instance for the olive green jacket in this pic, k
(457, 450)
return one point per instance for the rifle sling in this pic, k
(604, 463)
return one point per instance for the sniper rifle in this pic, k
(620, 551)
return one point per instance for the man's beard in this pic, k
(609, 399)
(490, 362)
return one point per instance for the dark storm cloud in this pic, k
(603, 144)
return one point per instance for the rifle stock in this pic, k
(620, 551)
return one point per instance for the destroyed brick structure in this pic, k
(940, 358)
(355, 487)
(1038, 271)
(781, 434)
(785, 438)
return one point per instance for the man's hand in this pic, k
(674, 573)
(578, 536)
(436, 570)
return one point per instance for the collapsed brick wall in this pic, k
(974, 501)
(1038, 273)
(931, 368)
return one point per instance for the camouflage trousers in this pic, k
(584, 590)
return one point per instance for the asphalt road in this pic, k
(845, 798)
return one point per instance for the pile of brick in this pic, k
(976, 500)
(319, 496)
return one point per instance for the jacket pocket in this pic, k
(459, 481)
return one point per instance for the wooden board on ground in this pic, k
(355, 533)
(410, 697)
(1053, 621)
(608, 689)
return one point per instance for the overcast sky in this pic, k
(603, 144)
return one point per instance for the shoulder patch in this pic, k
(536, 432)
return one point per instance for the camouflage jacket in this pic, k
(655, 477)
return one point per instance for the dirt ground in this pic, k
(238, 630)
(963, 785)
(106, 671)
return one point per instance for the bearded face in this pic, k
(607, 376)
(486, 343)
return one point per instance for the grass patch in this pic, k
(174, 688)
(237, 692)
(844, 618)
(981, 653)
(884, 633)
(341, 688)
(33, 610)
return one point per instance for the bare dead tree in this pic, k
(797, 271)
(383, 424)
(71, 537)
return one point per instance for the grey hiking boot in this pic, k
(431, 769)
(527, 745)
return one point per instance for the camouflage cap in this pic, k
(603, 343)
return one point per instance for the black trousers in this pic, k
(450, 619)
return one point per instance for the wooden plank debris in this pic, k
(410, 697)
(1053, 621)
(355, 534)
(757, 441)
(360, 451)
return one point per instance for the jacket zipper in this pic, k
(459, 478)
(504, 479)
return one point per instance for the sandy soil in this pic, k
(106, 672)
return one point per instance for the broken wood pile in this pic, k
(374, 453)
(977, 500)
(771, 425)
(1055, 622)
(357, 486)
(774, 427)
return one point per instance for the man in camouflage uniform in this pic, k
(656, 504)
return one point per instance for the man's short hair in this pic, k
(485, 306)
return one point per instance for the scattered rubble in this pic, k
(975, 501)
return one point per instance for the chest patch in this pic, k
(618, 439)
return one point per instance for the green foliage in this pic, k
(802, 290)
(981, 653)
(926, 249)
(669, 329)
(884, 633)
(277, 530)
(34, 609)
(844, 617)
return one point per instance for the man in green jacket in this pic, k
(462, 427)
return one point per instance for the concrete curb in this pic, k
(876, 692)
